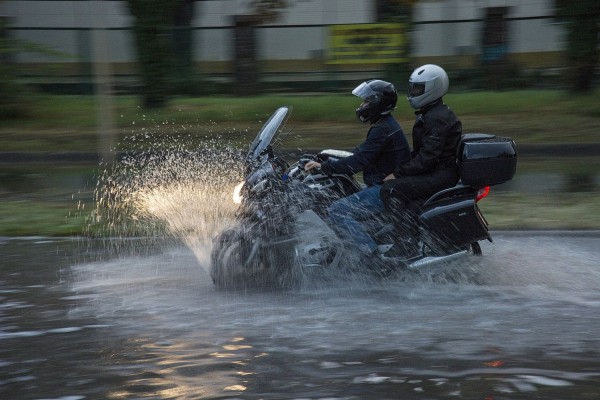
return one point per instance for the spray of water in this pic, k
(169, 186)
(166, 187)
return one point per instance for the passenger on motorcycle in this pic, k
(436, 134)
(384, 148)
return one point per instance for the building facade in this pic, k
(452, 32)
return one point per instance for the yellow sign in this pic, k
(367, 44)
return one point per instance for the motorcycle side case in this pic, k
(486, 160)
(455, 222)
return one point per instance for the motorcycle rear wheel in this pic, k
(476, 249)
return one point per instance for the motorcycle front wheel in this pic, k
(241, 261)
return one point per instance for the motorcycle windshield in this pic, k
(264, 138)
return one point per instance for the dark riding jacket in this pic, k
(436, 134)
(382, 151)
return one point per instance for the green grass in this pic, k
(503, 210)
(29, 217)
(569, 211)
(67, 123)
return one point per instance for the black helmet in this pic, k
(379, 98)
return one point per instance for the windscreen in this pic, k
(264, 138)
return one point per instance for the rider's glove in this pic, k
(304, 160)
(321, 157)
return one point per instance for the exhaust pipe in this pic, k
(428, 261)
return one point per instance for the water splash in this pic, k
(165, 187)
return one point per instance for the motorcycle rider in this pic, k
(384, 148)
(436, 134)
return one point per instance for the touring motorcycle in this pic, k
(281, 231)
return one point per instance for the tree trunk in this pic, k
(153, 21)
(183, 43)
(582, 53)
(581, 19)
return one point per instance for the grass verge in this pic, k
(28, 217)
(67, 123)
(518, 211)
(512, 211)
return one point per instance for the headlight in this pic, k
(237, 193)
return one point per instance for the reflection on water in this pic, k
(134, 318)
(77, 322)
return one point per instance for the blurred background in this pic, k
(78, 77)
(250, 46)
(124, 118)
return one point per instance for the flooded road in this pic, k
(80, 322)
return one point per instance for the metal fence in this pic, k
(290, 54)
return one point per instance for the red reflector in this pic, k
(497, 363)
(481, 193)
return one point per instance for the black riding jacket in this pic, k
(436, 134)
(382, 151)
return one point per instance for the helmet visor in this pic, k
(365, 92)
(416, 89)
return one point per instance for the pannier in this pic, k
(455, 224)
(486, 160)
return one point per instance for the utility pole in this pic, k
(103, 82)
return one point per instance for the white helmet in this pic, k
(427, 84)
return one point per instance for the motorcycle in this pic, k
(281, 230)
